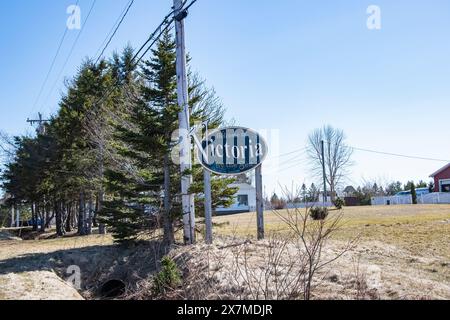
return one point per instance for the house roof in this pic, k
(349, 189)
(440, 170)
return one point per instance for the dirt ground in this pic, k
(36, 285)
(28, 268)
(403, 253)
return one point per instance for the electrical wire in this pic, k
(397, 154)
(168, 27)
(153, 38)
(190, 5)
(292, 152)
(295, 164)
(165, 21)
(113, 32)
(70, 52)
(52, 65)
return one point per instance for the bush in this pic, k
(279, 205)
(339, 203)
(168, 278)
(319, 213)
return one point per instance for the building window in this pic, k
(243, 200)
(445, 186)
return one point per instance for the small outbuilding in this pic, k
(442, 179)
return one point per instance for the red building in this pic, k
(442, 179)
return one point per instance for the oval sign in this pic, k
(232, 150)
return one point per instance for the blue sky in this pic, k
(286, 66)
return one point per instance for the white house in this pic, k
(245, 200)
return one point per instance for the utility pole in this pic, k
(184, 119)
(41, 128)
(325, 198)
(208, 200)
(259, 202)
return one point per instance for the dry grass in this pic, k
(403, 254)
(15, 249)
(415, 228)
(408, 247)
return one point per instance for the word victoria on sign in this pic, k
(232, 150)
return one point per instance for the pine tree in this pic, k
(105, 156)
(144, 140)
(126, 161)
(413, 193)
(304, 192)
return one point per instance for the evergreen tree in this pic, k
(127, 156)
(413, 193)
(304, 192)
(104, 158)
(143, 139)
(313, 194)
(431, 187)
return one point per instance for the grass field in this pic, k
(420, 228)
(407, 247)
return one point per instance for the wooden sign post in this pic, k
(259, 202)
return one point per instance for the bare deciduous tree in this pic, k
(7, 147)
(311, 238)
(337, 157)
(291, 264)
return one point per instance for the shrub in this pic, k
(280, 205)
(168, 278)
(319, 213)
(277, 203)
(339, 203)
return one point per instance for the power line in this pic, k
(166, 22)
(292, 152)
(294, 165)
(377, 152)
(397, 154)
(116, 28)
(159, 29)
(154, 37)
(190, 5)
(168, 27)
(71, 51)
(298, 158)
(52, 65)
(296, 161)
